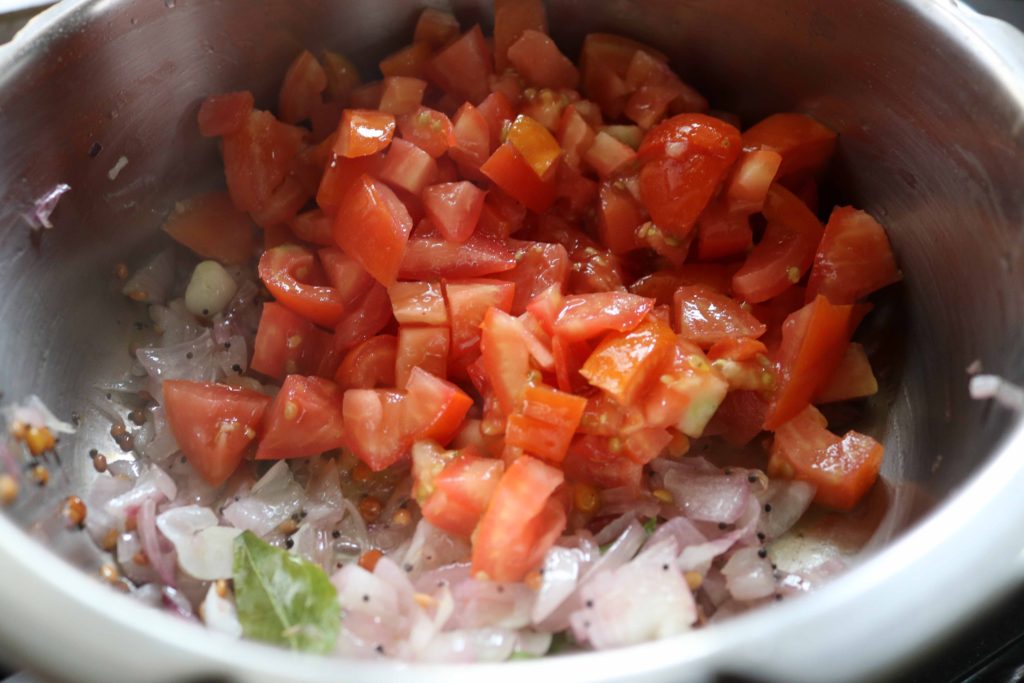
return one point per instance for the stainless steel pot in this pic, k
(928, 98)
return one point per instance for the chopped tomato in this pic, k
(722, 232)
(593, 460)
(468, 303)
(644, 445)
(620, 216)
(435, 28)
(814, 340)
(662, 285)
(402, 95)
(211, 226)
(301, 88)
(340, 175)
(313, 226)
(213, 424)
(373, 425)
(373, 226)
(283, 204)
(535, 144)
(407, 167)
(604, 62)
(369, 365)
(434, 409)
(428, 129)
(511, 19)
(587, 315)
(751, 179)
(421, 347)
(304, 420)
(257, 157)
(435, 257)
(624, 363)
(539, 266)
(367, 96)
(293, 276)
(418, 303)
(854, 258)
(224, 114)
(472, 138)
(364, 318)
(461, 492)
(506, 359)
(706, 317)
(463, 69)
(842, 469)
(785, 252)
(546, 423)
(521, 523)
(287, 343)
(606, 155)
(852, 379)
(574, 135)
(512, 173)
(739, 418)
(538, 60)
(342, 76)
(739, 349)
(363, 132)
(410, 61)
(454, 208)
(496, 110)
(690, 155)
(346, 276)
(687, 393)
(804, 144)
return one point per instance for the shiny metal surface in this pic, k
(929, 102)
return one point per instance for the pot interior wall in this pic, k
(928, 144)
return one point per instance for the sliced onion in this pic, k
(33, 412)
(708, 497)
(748, 576)
(153, 485)
(681, 530)
(192, 360)
(563, 568)
(175, 323)
(153, 281)
(789, 500)
(324, 501)
(432, 548)
(480, 604)
(162, 560)
(472, 645)
(643, 600)
(533, 643)
(44, 205)
(219, 614)
(699, 557)
(272, 500)
(204, 550)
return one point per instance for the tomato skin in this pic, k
(435, 257)
(539, 266)
(421, 347)
(814, 340)
(257, 157)
(454, 208)
(521, 523)
(512, 173)
(506, 359)
(211, 226)
(369, 365)
(287, 343)
(468, 303)
(587, 315)
(363, 132)
(301, 88)
(661, 285)
(722, 232)
(843, 470)
(625, 362)
(785, 252)
(224, 114)
(804, 144)
(372, 226)
(304, 420)
(620, 216)
(538, 148)
(291, 273)
(511, 19)
(463, 69)
(546, 423)
(461, 493)
(705, 317)
(853, 260)
(213, 424)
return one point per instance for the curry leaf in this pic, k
(284, 599)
